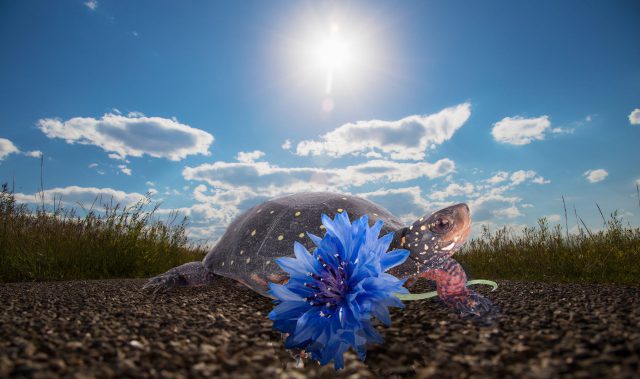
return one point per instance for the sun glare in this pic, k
(334, 58)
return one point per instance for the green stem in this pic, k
(428, 295)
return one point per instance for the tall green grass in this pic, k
(112, 242)
(549, 253)
(119, 242)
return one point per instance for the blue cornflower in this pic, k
(327, 304)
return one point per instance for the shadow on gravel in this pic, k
(112, 329)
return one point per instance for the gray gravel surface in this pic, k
(110, 328)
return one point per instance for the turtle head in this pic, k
(443, 232)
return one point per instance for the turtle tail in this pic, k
(192, 274)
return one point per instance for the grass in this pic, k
(549, 253)
(128, 242)
(115, 242)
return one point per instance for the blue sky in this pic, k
(214, 107)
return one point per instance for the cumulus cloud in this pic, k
(286, 145)
(406, 203)
(519, 130)
(521, 176)
(124, 169)
(132, 135)
(499, 177)
(634, 117)
(594, 176)
(408, 138)
(74, 195)
(33, 153)
(453, 189)
(266, 178)
(91, 4)
(249, 157)
(6, 148)
(509, 212)
(553, 218)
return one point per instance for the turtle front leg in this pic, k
(451, 282)
(192, 274)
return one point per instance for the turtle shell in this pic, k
(247, 250)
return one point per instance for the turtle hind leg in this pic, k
(192, 274)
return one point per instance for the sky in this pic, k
(214, 107)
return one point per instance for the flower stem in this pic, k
(428, 295)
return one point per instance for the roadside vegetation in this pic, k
(548, 253)
(112, 241)
(109, 241)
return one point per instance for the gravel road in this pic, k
(110, 328)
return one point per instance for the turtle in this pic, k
(249, 246)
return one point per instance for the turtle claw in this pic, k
(472, 305)
(162, 283)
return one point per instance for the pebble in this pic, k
(109, 329)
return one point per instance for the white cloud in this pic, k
(453, 189)
(249, 157)
(594, 176)
(74, 195)
(519, 130)
(499, 177)
(6, 148)
(286, 145)
(124, 169)
(553, 218)
(408, 138)
(93, 165)
(91, 4)
(33, 153)
(509, 212)
(266, 178)
(634, 117)
(407, 203)
(563, 130)
(522, 175)
(131, 135)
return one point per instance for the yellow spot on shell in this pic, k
(297, 214)
(280, 237)
(222, 264)
(272, 212)
(375, 214)
(268, 262)
(321, 226)
(421, 218)
(253, 233)
(301, 235)
(259, 210)
(423, 227)
(340, 210)
(231, 262)
(248, 259)
(241, 252)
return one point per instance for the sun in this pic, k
(333, 54)
(333, 57)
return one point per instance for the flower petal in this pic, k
(291, 266)
(288, 309)
(283, 293)
(393, 258)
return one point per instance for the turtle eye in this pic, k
(441, 225)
